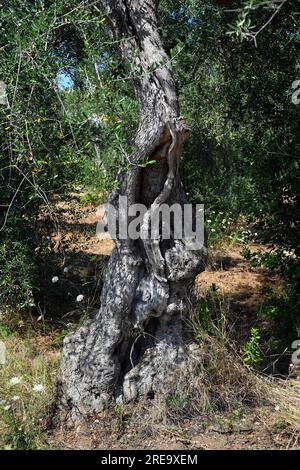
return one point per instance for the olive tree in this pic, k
(138, 342)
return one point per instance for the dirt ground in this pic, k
(99, 434)
(243, 287)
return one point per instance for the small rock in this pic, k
(245, 428)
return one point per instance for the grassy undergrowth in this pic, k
(27, 385)
(222, 388)
(224, 383)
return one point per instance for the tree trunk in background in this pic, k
(138, 342)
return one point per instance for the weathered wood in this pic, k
(138, 340)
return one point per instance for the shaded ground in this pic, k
(242, 285)
(77, 223)
(75, 257)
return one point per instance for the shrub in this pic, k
(16, 275)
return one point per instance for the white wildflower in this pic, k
(55, 279)
(66, 269)
(208, 221)
(213, 230)
(79, 298)
(38, 388)
(15, 381)
(15, 398)
(7, 407)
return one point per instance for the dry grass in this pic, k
(26, 389)
(286, 396)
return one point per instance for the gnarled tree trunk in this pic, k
(138, 340)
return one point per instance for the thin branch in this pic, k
(11, 203)
(254, 35)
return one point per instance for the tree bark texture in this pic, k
(138, 341)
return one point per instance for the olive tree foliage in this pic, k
(240, 97)
(54, 109)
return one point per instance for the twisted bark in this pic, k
(138, 340)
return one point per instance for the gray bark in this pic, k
(138, 341)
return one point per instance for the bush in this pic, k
(17, 275)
